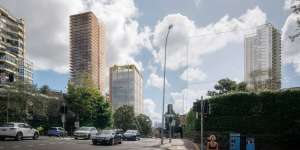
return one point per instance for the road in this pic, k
(52, 143)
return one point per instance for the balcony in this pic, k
(9, 60)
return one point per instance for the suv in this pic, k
(85, 132)
(17, 131)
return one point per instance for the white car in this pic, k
(17, 131)
(85, 132)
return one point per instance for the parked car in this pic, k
(85, 132)
(57, 131)
(107, 137)
(132, 135)
(18, 131)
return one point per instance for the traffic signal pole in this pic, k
(202, 144)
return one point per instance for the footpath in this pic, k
(179, 144)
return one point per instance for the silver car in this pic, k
(85, 132)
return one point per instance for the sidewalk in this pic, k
(179, 144)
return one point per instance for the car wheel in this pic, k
(19, 136)
(89, 137)
(94, 142)
(35, 136)
(112, 142)
(75, 138)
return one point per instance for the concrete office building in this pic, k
(87, 50)
(126, 87)
(263, 59)
(12, 50)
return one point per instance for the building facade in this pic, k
(87, 37)
(12, 50)
(126, 87)
(263, 59)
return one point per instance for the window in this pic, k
(21, 126)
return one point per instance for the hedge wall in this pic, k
(271, 117)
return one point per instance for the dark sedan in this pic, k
(107, 137)
(132, 135)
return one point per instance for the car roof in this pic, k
(16, 123)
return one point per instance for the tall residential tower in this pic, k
(126, 87)
(87, 50)
(13, 64)
(263, 59)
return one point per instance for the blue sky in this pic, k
(135, 34)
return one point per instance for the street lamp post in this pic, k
(164, 86)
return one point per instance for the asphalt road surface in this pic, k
(53, 143)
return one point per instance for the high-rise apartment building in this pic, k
(87, 50)
(126, 87)
(263, 58)
(12, 50)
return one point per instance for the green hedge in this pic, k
(275, 115)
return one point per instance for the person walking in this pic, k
(212, 144)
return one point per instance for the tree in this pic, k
(225, 86)
(144, 124)
(89, 106)
(45, 89)
(242, 86)
(124, 118)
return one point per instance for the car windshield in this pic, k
(131, 131)
(107, 132)
(85, 128)
(7, 125)
(53, 128)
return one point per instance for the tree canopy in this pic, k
(89, 106)
(144, 124)
(124, 118)
(227, 85)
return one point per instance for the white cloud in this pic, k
(47, 30)
(289, 3)
(47, 26)
(291, 53)
(125, 38)
(156, 81)
(183, 100)
(197, 2)
(209, 42)
(193, 74)
(149, 109)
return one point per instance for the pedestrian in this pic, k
(212, 144)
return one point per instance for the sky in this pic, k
(206, 43)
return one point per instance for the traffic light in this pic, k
(197, 106)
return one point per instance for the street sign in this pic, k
(169, 115)
(76, 124)
(250, 144)
(173, 123)
(234, 141)
(63, 118)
